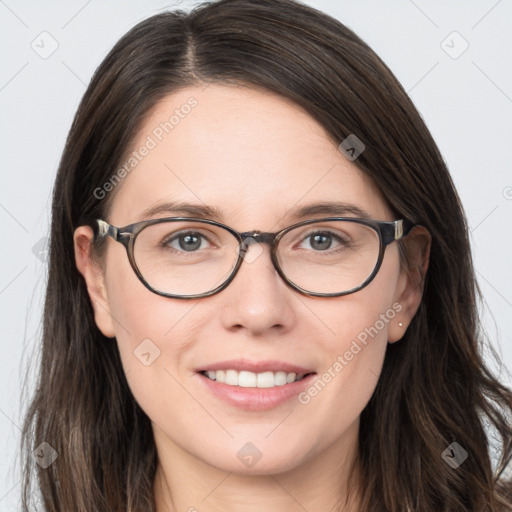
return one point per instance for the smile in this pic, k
(248, 379)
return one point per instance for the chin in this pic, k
(255, 459)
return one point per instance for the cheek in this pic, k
(138, 313)
(363, 316)
(354, 343)
(153, 334)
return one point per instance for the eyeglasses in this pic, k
(188, 258)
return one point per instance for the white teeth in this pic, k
(267, 380)
(247, 379)
(231, 378)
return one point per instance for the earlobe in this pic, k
(94, 280)
(409, 291)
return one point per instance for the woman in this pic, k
(291, 323)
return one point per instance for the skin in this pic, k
(274, 156)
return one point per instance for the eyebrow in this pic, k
(327, 208)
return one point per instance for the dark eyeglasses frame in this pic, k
(388, 232)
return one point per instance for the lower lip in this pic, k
(256, 399)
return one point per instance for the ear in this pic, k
(94, 279)
(409, 291)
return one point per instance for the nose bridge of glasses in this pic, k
(256, 236)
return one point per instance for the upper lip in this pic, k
(255, 366)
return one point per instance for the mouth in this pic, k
(248, 379)
(252, 385)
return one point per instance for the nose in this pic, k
(257, 299)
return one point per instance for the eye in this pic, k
(323, 240)
(188, 241)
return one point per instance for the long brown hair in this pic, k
(434, 388)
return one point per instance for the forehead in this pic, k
(249, 154)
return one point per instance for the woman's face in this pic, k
(254, 157)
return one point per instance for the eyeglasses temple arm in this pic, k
(405, 227)
(105, 229)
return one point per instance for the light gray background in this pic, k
(465, 99)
